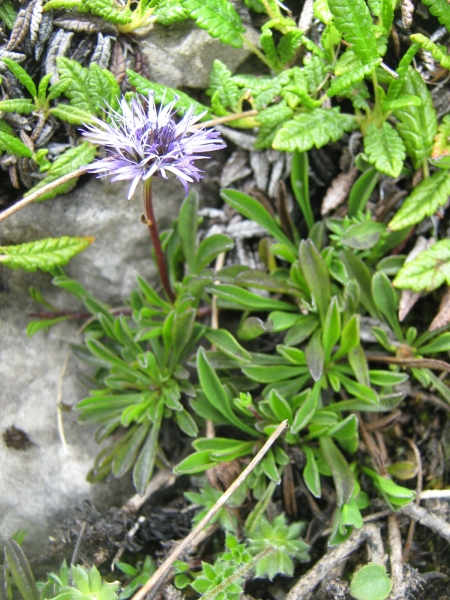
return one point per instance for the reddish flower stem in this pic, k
(154, 234)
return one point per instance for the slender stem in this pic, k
(154, 234)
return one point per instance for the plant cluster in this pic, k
(296, 352)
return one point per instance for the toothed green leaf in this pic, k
(441, 10)
(385, 149)
(442, 57)
(14, 146)
(315, 128)
(423, 201)
(218, 17)
(417, 124)
(341, 84)
(107, 9)
(352, 18)
(429, 270)
(20, 74)
(43, 254)
(22, 106)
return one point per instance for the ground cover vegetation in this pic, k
(323, 337)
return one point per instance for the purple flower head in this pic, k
(142, 143)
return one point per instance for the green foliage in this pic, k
(441, 10)
(429, 270)
(138, 575)
(218, 17)
(385, 149)
(371, 583)
(46, 254)
(423, 201)
(354, 22)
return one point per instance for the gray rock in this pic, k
(47, 481)
(182, 55)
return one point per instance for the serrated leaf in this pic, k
(144, 86)
(71, 114)
(107, 9)
(44, 254)
(341, 84)
(221, 81)
(7, 14)
(14, 146)
(441, 146)
(21, 75)
(441, 10)
(402, 70)
(433, 49)
(22, 106)
(315, 72)
(218, 18)
(99, 87)
(78, 91)
(385, 149)
(169, 12)
(424, 200)
(315, 128)
(417, 124)
(427, 271)
(69, 161)
(354, 22)
(402, 102)
(288, 46)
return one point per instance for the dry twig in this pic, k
(158, 577)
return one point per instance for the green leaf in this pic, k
(8, 14)
(101, 91)
(246, 299)
(222, 82)
(107, 9)
(78, 91)
(387, 15)
(361, 191)
(359, 271)
(254, 210)
(315, 128)
(44, 254)
(424, 200)
(371, 583)
(332, 327)
(311, 475)
(433, 49)
(353, 20)
(306, 411)
(402, 71)
(20, 571)
(216, 394)
(71, 114)
(386, 300)
(195, 463)
(128, 451)
(342, 474)
(224, 341)
(210, 248)
(169, 12)
(144, 86)
(441, 10)
(71, 160)
(417, 124)
(14, 146)
(363, 236)
(300, 185)
(428, 270)
(385, 149)
(20, 74)
(187, 228)
(22, 106)
(401, 102)
(218, 17)
(145, 462)
(315, 355)
(316, 275)
(342, 84)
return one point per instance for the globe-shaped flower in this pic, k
(145, 142)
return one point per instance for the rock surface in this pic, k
(44, 482)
